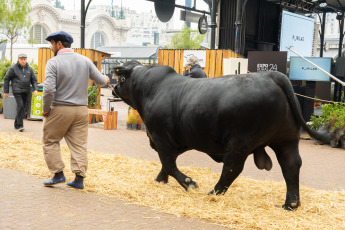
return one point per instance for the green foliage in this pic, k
(328, 114)
(14, 19)
(186, 39)
(132, 118)
(93, 97)
(4, 66)
(34, 67)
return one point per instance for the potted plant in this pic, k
(92, 102)
(332, 118)
(132, 121)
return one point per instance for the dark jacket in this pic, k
(20, 78)
(195, 72)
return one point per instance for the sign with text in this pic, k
(300, 69)
(297, 32)
(235, 66)
(261, 61)
(36, 106)
(200, 54)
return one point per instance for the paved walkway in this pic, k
(26, 204)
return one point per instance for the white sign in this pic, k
(297, 31)
(235, 66)
(200, 54)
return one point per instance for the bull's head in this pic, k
(124, 85)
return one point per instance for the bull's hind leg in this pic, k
(290, 162)
(233, 166)
(169, 168)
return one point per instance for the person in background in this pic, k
(21, 77)
(65, 109)
(193, 69)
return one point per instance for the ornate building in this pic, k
(101, 29)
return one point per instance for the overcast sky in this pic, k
(139, 6)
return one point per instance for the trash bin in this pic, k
(35, 105)
(10, 106)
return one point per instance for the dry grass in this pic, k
(248, 204)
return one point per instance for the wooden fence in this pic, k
(214, 60)
(44, 54)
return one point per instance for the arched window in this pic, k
(97, 40)
(38, 33)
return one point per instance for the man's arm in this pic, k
(97, 76)
(8, 77)
(49, 87)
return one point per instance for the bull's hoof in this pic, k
(190, 184)
(292, 206)
(217, 193)
(161, 180)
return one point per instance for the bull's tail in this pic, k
(323, 136)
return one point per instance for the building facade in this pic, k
(101, 29)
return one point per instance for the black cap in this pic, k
(60, 36)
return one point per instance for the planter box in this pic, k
(132, 126)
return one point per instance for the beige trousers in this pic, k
(71, 123)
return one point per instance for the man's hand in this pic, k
(5, 95)
(35, 93)
(108, 80)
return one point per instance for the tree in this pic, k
(186, 39)
(14, 19)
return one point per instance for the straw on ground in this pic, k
(248, 204)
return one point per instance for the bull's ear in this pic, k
(122, 71)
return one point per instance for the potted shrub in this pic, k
(332, 118)
(92, 102)
(132, 121)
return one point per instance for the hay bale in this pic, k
(248, 204)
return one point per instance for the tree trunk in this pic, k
(11, 49)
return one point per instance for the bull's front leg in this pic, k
(233, 166)
(169, 168)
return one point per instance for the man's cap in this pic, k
(22, 55)
(60, 36)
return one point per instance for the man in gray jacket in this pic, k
(21, 76)
(65, 108)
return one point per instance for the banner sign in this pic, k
(302, 70)
(36, 106)
(261, 61)
(297, 31)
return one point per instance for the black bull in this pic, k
(228, 118)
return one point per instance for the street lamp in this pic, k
(83, 12)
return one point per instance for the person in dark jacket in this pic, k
(21, 76)
(195, 69)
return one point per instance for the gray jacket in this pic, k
(67, 78)
(20, 78)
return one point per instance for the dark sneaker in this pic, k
(21, 129)
(57, 179)
(78, 182)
